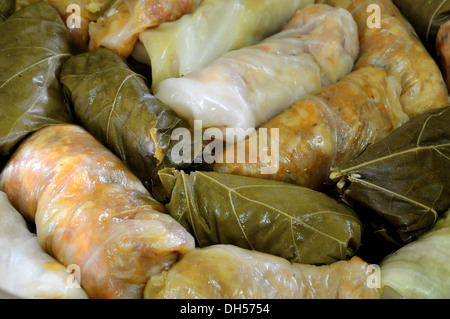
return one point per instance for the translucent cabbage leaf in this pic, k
(420, 269)
(230, 272)
(289, 221)
(214, 28)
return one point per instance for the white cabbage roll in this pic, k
(231, 272)
(26, 270)
(247, 87)
(420, 270)
(214, 28)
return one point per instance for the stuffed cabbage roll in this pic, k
(321, 130)
(77, 15)
(247, 87)
(230, 272)
(115, 105)
(30, 65)
(118, 29)
(26, 270)
(6, 9)
(426, 17)
(90, 211)
(420, 269)
(394, 46)
(214, 28)
(289, 221)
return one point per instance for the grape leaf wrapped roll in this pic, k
(285, 220)
(91, 211)
(77, 15)
(34, 44)
(426, 17)
(238, 273)
(246, 87)
(115, 105)
(6, 9)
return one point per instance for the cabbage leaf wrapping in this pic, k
(246, 87)
(34, 43)
(404, 178)
(420, 269)
(286, 220)
(118, 29)
(115, 105)
(214, 28)
(91, 211)
(230, 272)
(27, 271)
(321, 130)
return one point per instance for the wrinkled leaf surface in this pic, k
(286, 220)
(34, 42)
(115, 105)
(405, 178)
(426, 17)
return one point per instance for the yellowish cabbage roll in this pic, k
(230, 272)
(337, 123)
(214, 28)
(420, 269)
(322, 130)
(90, 211)
(393, 46)
(118, 29)
(246, 87)
(26, 270)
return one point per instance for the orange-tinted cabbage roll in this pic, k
(394, 46)
(322, 130)
(119, 28)
(90, 211)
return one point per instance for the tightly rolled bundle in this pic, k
(119, 28)
(246, 87)
(322, 130)
(420, 269)
(90, 211)
(395, 47)
(244, 274)
(327, 128)
(174, 49)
